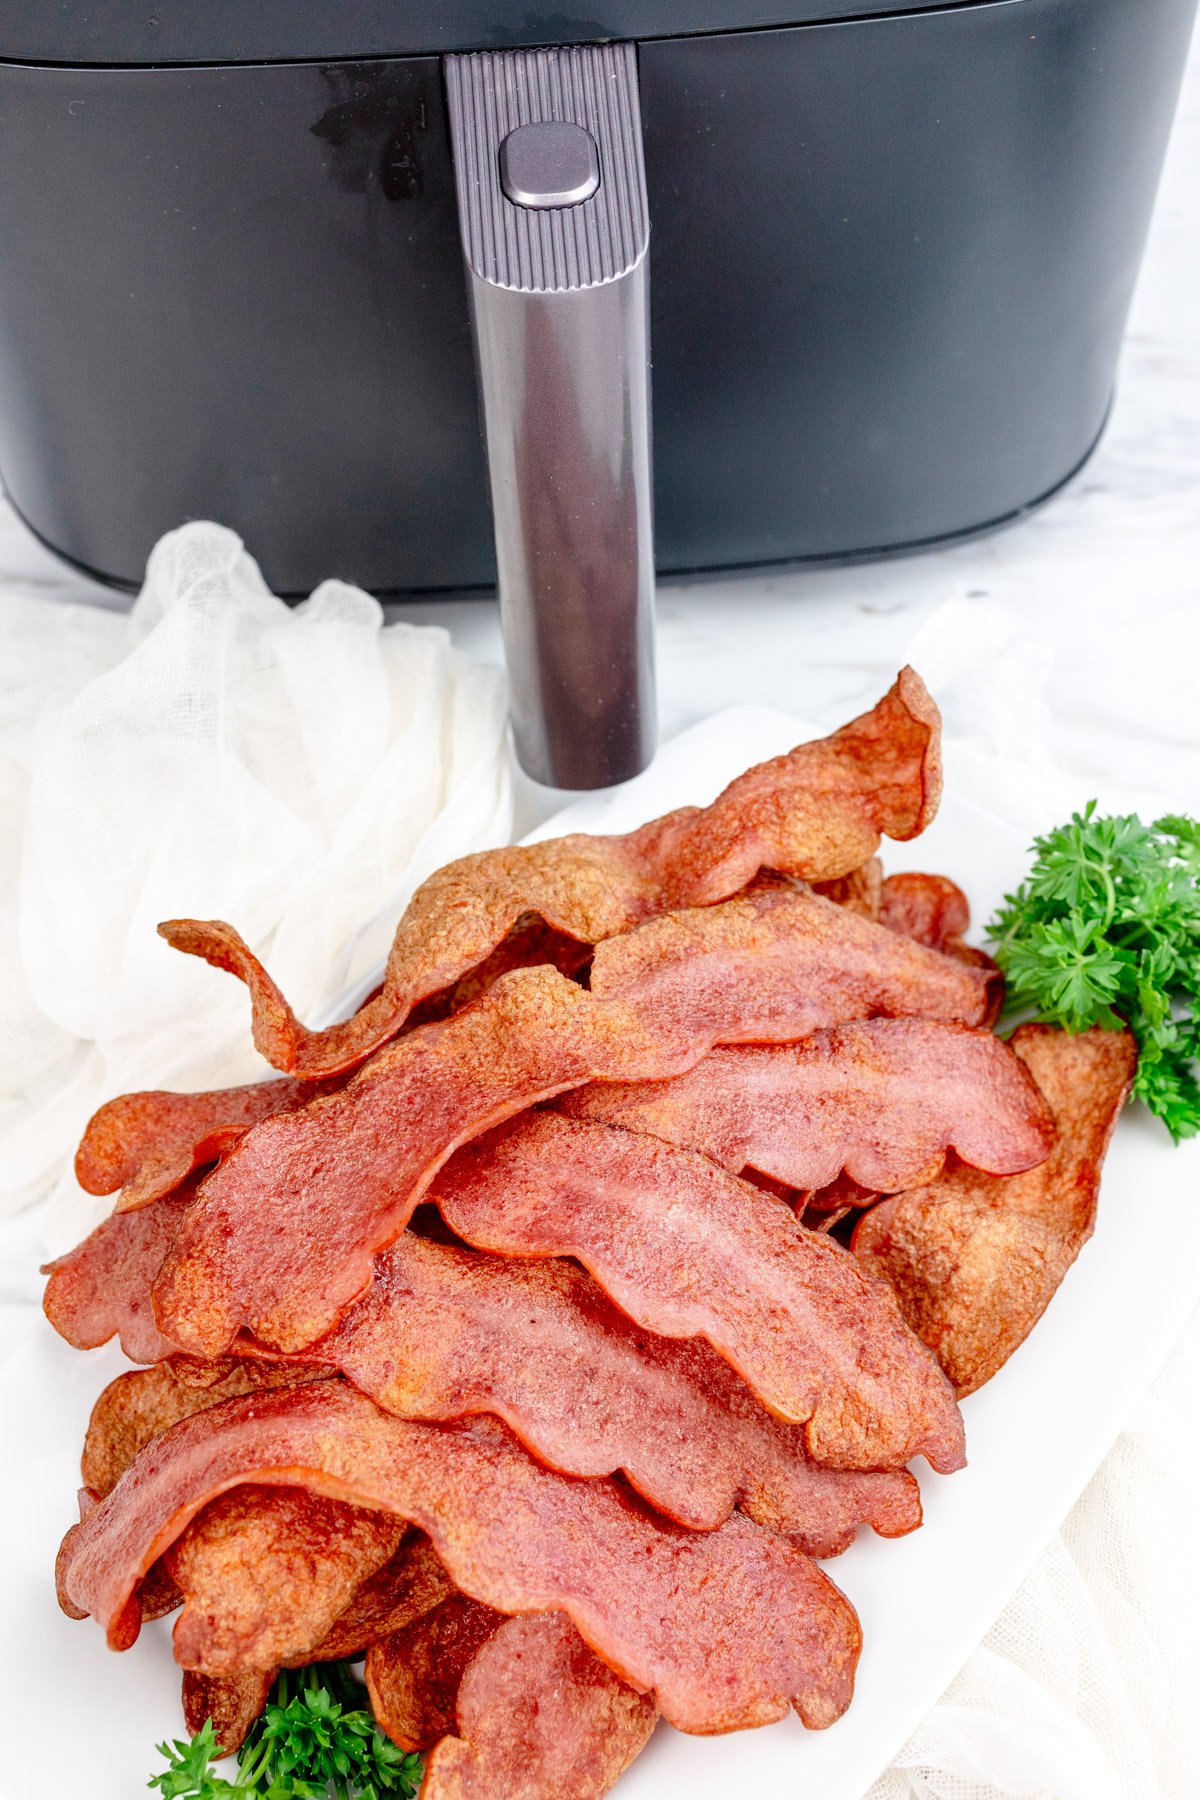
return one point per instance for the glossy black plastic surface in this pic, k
(200, 31)
(890, 265)
(238, 294)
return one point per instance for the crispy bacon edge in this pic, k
(816, 813)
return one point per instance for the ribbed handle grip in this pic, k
(559, 309)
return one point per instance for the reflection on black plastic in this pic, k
(372, 129)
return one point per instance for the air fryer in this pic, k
(378, 282)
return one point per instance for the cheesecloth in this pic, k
(214, 753)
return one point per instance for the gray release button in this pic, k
(551, 163)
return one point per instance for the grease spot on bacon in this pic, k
(690, 1251)
(726, 1628)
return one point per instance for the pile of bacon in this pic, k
(536, 1331)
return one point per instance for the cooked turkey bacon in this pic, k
(282, 1235)
(147, 1143)
(775, 965)
(845, 972)
(928, 908)
(556, 1454)
(881, 1100)
(232, 1702)
(266, 1571)
(446, 1332)
(404, 1589)
(975, 1259)
(101, 1288)
(407, 1587)
(139, 1405)
(413, 1675)
(539, 1718)
(690, 1251)
(726, 1628)
(816, 813)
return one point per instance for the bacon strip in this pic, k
(930, 909)
(775, 965)
(816, 813)
(147, 1143)
(405, 1589)
(725, 1627)
(159, 1595)
(101, 1289)
(232, 1702)
(139, 1405)
(689, 1251)
(529, 943)
(540, 1717)
(861, 890)
(266, 1571)
(243, 1564)
(848, 971)
(882, 1100)
(413, 1675)
(976, 1259)
(283, 1233)
(446, 1332)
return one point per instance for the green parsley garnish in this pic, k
(1106, 931)
(314, 1739)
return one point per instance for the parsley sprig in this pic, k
(1106, 931)
(313, 1740)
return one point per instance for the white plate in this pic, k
(81, 1720)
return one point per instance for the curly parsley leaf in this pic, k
(188, 1775)
(314, 1740)
(1106, 931)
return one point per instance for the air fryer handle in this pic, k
(555, 232)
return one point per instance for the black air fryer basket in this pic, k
(273, 261)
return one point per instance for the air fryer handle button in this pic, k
(551, 163)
